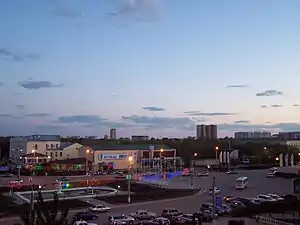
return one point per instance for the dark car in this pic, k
(290, 197)
(86, 216)
(205, 216)
(245, 201)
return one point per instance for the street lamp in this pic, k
(160, 160)
(87, 161)
(130, 160)
(216, 150)
(192, 170)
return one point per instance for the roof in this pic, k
(129, 147)
(36, 154)
(69, 161)
(43, 138)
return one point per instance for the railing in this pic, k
(267, 220)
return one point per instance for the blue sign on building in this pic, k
(218, 202)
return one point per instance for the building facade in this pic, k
(139, 138)
(47, 145)
(252, 135)
(294, 135)
(206, 131)
(113, 134)
(116, 157)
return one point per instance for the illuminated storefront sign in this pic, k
(112, 156)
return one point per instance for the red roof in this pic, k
(36, 154)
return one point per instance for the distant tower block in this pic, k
(113, 134)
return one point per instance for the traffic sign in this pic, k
(128, 177)
(19, 166)
(218, 202)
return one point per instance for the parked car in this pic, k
(205, 215)
(236, 204)
(265, 198)
(7, 175)
(290, 197)
(232, 172)
(85, 216)
(271, 175)
(100, 208)
(62, 179)
(275, 196)
(217, 191)
(160, 221)
(120, 219)
(143, 215)
(203, 174)
(207, 206)
(228, 198)
(188, 218)
(169, 212)
(83, 223)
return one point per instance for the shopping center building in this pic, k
(117, 156)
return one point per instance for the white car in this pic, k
(100, 208)
(203, 174)
(271, 175)
(276, 197)
(217, 191)
(265, 198)
(83, 223)
(273, 169)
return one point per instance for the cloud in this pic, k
(138, 10)
(36, 85)
(20, 106)
(67, 12)
(6, 115)
(90, 121)
(153, 108)
(39, 115)
(296, 105)
(269, 93)
(276, 106)
(264, 106)
(237, 86)
(242, 121)
(155, 122)
(9, 54)
(198, 113)
(258, 127)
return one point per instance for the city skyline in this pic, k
(153, 68)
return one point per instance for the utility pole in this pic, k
(228, 155)
(214, 200)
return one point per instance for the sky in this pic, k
(149, 67)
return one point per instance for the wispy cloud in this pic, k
(67, 12)
(276, 106)
(264, 106)
(35, 85)
(19, 106)
(38, 115)
(153, 108)
(198, 113)
(6, 53)
(237, 86)
(138, 10)
(296, 105)
(269, 93)
(242, 121)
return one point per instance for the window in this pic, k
(55, 154)
(51, 154)
(60, 154)
(46, 153)
(47, 146)
(52, 145)
(56, 145)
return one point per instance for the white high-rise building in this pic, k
(113, 134)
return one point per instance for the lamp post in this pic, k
(193, 169)
(130, 159)
(160, 157)
(216, 150)
(87, 152)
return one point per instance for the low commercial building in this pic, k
(117, 156)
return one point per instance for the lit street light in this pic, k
(216, 150)
(87, 161)
(130, 160)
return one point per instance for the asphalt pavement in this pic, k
(258, 183)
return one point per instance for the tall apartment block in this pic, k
(113, 134)
(207, 131)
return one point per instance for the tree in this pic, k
(42, 214)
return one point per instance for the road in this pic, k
(258, 183)
(49, 180)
